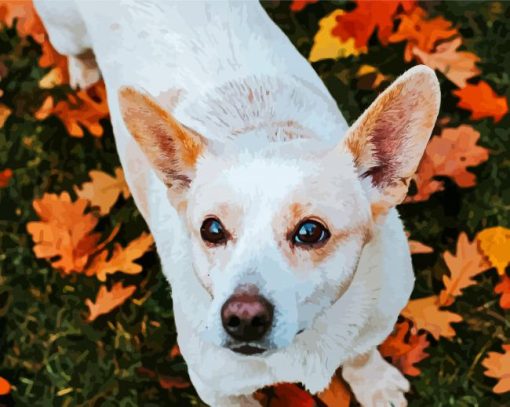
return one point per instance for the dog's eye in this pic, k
(310, 232)
(212, 231)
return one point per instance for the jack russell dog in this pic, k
(275, 221)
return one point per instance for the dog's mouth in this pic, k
(248, 350)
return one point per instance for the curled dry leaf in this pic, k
(503, 288)
(466, 264)
(64, 234)
(121, 259)
(498, 366)
(425, 314)
(495, 245)
(107, 300)
(482, 101)
(104, 190)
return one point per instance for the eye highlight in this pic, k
(213, 232)
(310, 233)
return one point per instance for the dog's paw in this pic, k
(83, 71)
(375, 382)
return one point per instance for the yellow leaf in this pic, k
(498, 366)
(122, 259)
(425, 314)
(108, 300)
(104, 190)
(326, 46)
(495, 245)
(52, 79)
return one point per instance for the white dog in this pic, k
(275, 222)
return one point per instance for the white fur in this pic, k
(197, 59)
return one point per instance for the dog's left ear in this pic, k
(389, 138)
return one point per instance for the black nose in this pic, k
(247, 317)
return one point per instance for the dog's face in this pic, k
(276, 232)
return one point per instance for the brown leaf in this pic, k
(498, 366)
(482, 101)
(495, 245)
(107, 300)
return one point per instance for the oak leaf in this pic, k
(503, 288)
(64, 234)
(104, 190)
(466, 264)
(327, 46)
(457, 66)
(495, 245)
(107, 300)
(425, 314)
(482, 101)
(337, 394)
(121, 259)
(5, 177)
(498, 366)
(5, 387)
(420, 32)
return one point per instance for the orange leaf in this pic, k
(5, 112)
(104, 190)
(5, 177)
(298, 5)
(457, 66)
(168, 383)
(449, 154)
(106, 300)
(498, 366)
(395, 345)
(464, 266)
(425, 314)
(337, 394)
(482, 101)
(503, 288)
(175, 351)
(83, 109)
(64, 235)
(495, 245)
(367, 17)
(420, 32)
(419, 248)
(122, 259)
(28, 22)
(5, 387)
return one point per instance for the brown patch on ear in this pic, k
(171, 148)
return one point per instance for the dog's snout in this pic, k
(247, 317)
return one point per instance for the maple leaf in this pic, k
(449, 154)
(464, 266)
(337, 394)
(327, 46)
(64, 235)
(107, 300)
(425, 314)
(5, 387)
(503, 288)
(420, 32)
(498, 366)
(457, 66)
(104, 190)
(495, 245)
(367, 17)
(482, 101)
(83, 109)
(121, 259)
(5, 177)
(298, 5)
(286, 394)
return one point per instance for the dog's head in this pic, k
(277, 231)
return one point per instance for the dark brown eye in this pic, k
(310, 232)
(212, 231)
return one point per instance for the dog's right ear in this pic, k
(171, 148)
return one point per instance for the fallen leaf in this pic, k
(104, 190)
(457, 66)
(498, 366)
(107, 300)
(449, 154)
(482, 101)
(298, 5)
(366, 18)
(369, 77)
(337, 394)
(27, 20)
(327, 46)
(420, 32)
(466, 264)
(425, 314)
(503, 288)
(5, 387)
(5, 177)
(419, 248)
(121, 259)
(495, 245)
(83, 109)
(175, 351)
(64, 234)
(5, 112)
(286, 395)
(168, 382)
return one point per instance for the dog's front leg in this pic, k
(375, 382)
